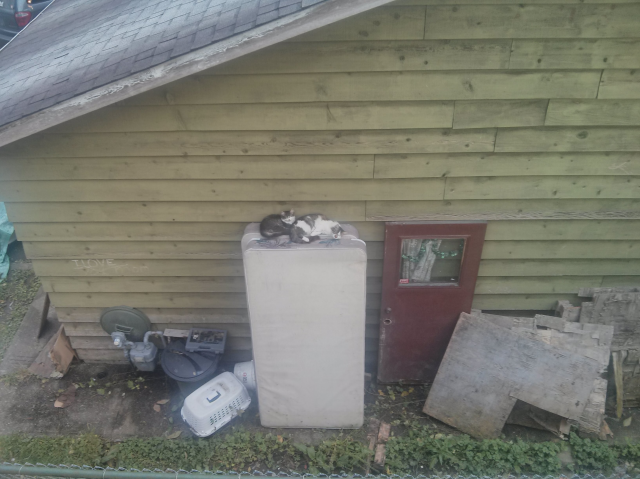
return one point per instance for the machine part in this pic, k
(144, 356)
(160, 334)
(211, 340)
(246, 373)
(186, 366)
(215, 404)
(132, 322)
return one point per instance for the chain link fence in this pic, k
(38, 471)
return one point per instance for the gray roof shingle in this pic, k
(78, 45)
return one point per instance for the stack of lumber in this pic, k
(619, 308)
(546, 369)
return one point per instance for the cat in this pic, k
(308, 228)
(277, 225)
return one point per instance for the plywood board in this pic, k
(499, 113)
(586, 138)
(620, 84)
(593, 112)
(487, 368)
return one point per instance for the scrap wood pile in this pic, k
(546, 372)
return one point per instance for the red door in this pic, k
(429, 277)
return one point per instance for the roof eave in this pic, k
(220, 52)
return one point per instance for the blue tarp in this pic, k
(6, 230)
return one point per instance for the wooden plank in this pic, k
(278, 116)
(619, 84)
(568, 139)
(191, 167)
(162, 267)
(222, 190)
(560, 249)
(367, 56)
(256, 143)
(613, 281)
(374, 86)
(564, 230)
(109, 356)
(142, 284)
(496, 285)
(149, 250)
(532, 21)
(368, 231)
(504, 2)
(143, 212)
(163, 300)
(593, 112)
(383, 23)
(573, 54)
(439, 165)
(567, 267)
(502, 210)
(89, 342)
(513, 302)
(499, 113)
(539, 187)
(179, 316)
(487, 367)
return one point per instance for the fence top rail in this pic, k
(91, 472)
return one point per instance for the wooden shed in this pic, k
(133, 158)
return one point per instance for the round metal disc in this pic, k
(185, 366)
(132, 322)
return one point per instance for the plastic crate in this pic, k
(210, 340)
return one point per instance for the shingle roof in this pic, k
(79, 45)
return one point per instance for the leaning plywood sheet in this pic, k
(487, 368)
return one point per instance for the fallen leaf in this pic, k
(405, 394)
(627, 422)
(170, 420)
(156, 408)
(380, 392)
(67, 398)
(280, 439)
(174, 435)
(100, 391)
(163, 401)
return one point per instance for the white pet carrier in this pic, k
(214, 404)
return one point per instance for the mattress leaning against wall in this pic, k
(307, 314)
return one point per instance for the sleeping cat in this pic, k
(308, 228)
(277, 225)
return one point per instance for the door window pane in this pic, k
(431, 261)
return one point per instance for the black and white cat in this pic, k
(277, 225)
(309, 228)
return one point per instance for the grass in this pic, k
(420, 451)
(17, 292)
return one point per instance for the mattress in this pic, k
(307, 315)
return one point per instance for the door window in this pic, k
(432, 261)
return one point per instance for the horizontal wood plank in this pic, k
(154, 284)
(502, 210)
(574, 54)
(567, 267)
(163, 300)
(368, 56)
(149, 250)
(105, 342)
(259, 116)
(161, 267)
(383, 23)
(505, 2)
(593, 112)
(521, 301)
(620, 84)
(212, 231)
(535, 285)
(109, 356)
(374, 86)
(437, 165)
(499, 113)
(221, 190)
(179, 316)
(541, 187)
(256, 143)
(189, 167)
(568, 139)
(564, 230)
(163, 211)
(560, 249)
(611, 281)
(532, 21)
